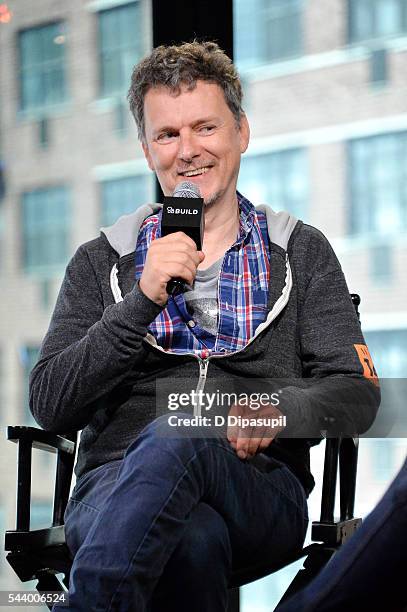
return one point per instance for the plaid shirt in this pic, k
(242, 290)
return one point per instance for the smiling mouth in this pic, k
(195, 172)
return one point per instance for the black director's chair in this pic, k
(42, 554)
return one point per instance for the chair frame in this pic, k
(41, 554)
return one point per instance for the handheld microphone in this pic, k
(183, 212)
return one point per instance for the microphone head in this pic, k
(186, 189)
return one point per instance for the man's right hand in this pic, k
(174, 256)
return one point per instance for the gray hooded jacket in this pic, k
(98, 365)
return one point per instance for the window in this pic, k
(45, 225)
(376, 18)
(267, 31)
(383, 459)
(378, 185)
(28, 359)
(123, 195)
(389, 352)
(388, 349)
(381, 263)
(279, 179)
(42, 70)
(120, 40)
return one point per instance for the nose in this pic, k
(188, 146)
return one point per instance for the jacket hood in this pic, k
(122, 235)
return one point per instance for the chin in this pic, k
(212, 198)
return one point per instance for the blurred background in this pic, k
(325, 86)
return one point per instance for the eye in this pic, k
(169, 135)
(206, 129)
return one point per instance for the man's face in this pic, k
(194, 137)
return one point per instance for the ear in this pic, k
(244, 131)
(147, 155)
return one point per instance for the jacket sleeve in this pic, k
(87, 350)
(340, 391)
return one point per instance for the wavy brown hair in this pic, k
(183, 65)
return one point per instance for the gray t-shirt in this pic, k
(202, 300)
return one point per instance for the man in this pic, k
(158, 522)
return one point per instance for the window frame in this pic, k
(281, 159)
(103, 90)
(43, 269)
(352, 35)
(355, 227)
(264, 18)
(45, 107)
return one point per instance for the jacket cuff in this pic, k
(138, 308)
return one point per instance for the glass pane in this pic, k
(122, 196)
(28, 359)
(54, 85)
(388, 17)
(248, 40)
(279, 179)
(389, 352)
(45, 228)
(30, 47)
(377, 175)
(372, 18)
(266, 30)
(42, 67)
(119, 46)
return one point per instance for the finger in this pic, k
(181, 271)
(243, 442)
(176, 265)
(178, 252)
(178, 237)
(232, 431)
(255, 440)
(181, 259)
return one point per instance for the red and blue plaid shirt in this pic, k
(242, 290)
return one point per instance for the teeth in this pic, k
(196, 172)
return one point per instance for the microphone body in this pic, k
(183, 212)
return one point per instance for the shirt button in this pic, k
(191, 323)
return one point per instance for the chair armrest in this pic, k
(44, 440)
(38, 538)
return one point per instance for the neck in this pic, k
(221, 230)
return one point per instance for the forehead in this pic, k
(163, 106)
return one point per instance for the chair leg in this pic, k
(234, 600)
(313, 564)
(48, 582)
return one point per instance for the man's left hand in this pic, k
(253, 439)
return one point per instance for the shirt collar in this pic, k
(247, 214)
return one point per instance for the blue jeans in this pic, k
(165, 528)
(369, 572)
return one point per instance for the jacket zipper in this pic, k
(203, 371)
(204, 362)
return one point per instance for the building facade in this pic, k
(325, 92)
